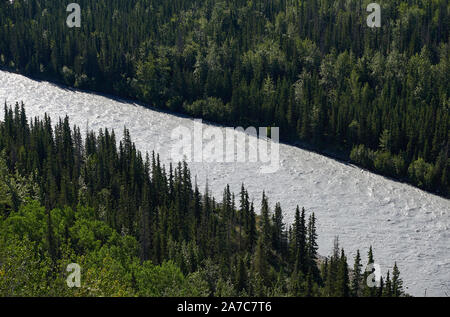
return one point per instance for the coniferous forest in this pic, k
(376, 96)
(138, 228)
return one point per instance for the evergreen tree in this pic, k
(387, 291)
(241, 279)
(299, 243)
(357, 278)
(342, 287)
(278, 230)
(397, 283)
(369, 291)
(312, 247)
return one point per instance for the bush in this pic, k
(209, 109)
(362, 156)
(421, 173)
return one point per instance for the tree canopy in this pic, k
(139, 228)
(313, 68)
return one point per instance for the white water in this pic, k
(402, 223)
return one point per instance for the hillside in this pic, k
(402, 223)
(379, 97)
(135, 227)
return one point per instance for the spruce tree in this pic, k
(252, 232)
(278, 229)
(342, 287)
(312, 247)
(299, 243)
(380, 289)
(356, 278)
(241, 279)
(387, 291)
(397, 282)
(369, 291)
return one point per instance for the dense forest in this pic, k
(379, 97)
(139, 228)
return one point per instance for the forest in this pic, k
(376, 96)
(139, 228)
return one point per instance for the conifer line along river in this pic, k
(402, 223)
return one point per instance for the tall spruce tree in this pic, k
(397, 282)
(342, 287)
(357, 277)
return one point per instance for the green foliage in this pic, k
(311, 67)
(357, 278)
(137, 230)
(22, 271)
(209, 109)
(159, 280)
(421, 172)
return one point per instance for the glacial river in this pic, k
(402, 223)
